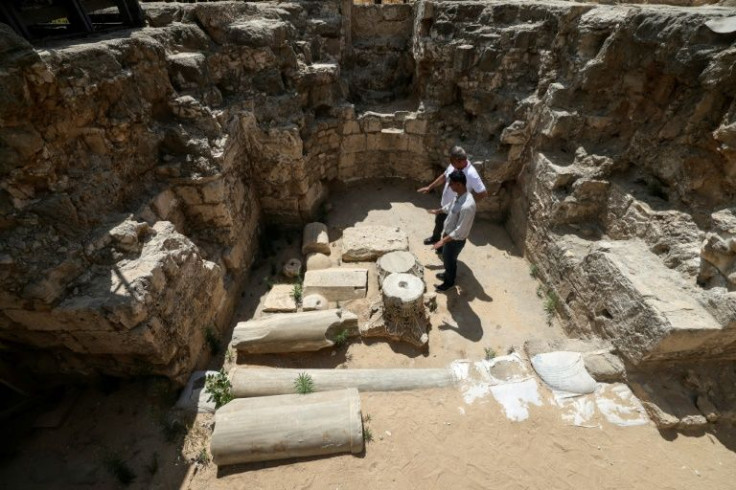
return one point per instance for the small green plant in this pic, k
(230, 355)
(367, 434)
(172, 429)
(540, 291)
(213, 341)
(203, 457)
(304, 384)
(219, 387)
(534, 270)
(152, 467)
(366, 418)
(342, 337)
(489, 353)
(551, 303)
(119, 469)
(296, 293)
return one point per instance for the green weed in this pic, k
(304, 384)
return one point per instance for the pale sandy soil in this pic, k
(433, 439)
(421, 439)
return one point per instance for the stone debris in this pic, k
(280, 299)
(367, 243)
(337, 284)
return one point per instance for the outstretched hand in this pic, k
(433, 211)
(424, 190)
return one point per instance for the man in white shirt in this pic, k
(458, 161)
(460, 214)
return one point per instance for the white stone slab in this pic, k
(337, 284)
(280, 299)
(364, 243)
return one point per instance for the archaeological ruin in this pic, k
(145, 162)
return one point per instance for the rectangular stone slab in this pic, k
(280, 299)
(337, 284)
(365, 243)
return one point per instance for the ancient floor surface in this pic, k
(430, 439)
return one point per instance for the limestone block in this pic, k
(337, 284)
(401, 262)
(314, 302)
(214, 192)
(315, 239)
(280, 299)
(365, 243)
(351, 127)
(415, 126)
(353, 143)
(317, 261)
(646, 309)
(371, 124)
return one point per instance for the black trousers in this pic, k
(439, 224)
(450, 252)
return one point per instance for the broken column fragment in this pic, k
(315, 239)
(365, 243)
(402, 315)
(337, 284)
(400, 262)
(293, 332)
(287, 426)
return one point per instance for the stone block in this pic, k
(214, 192)
(415, 126)
(365, 243)
(353, 143)
(351, 127)
(315, 239)
(371, 124)
(337, 284)
(318, 261)
(647, 310)
(280, 299)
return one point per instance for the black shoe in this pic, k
(440, 276)
(430, 241)
(440, 288)
(439, 251)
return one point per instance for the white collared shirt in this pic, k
(473, 183)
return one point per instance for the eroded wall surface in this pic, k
(137, 169)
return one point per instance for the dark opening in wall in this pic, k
(49, 19)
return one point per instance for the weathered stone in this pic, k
(337, 284)
(364, 243)
(400, 262)
(604, 366)
(313, 302)
(316, 239)
(280, 299)
(317, 261)
(292, 268)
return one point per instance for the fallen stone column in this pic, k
(262, 382)
(287, 426)
(294, 332)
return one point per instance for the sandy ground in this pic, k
(421, 439)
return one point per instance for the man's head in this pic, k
(458, 157)
(458, 181)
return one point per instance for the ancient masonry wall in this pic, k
(136, 170)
